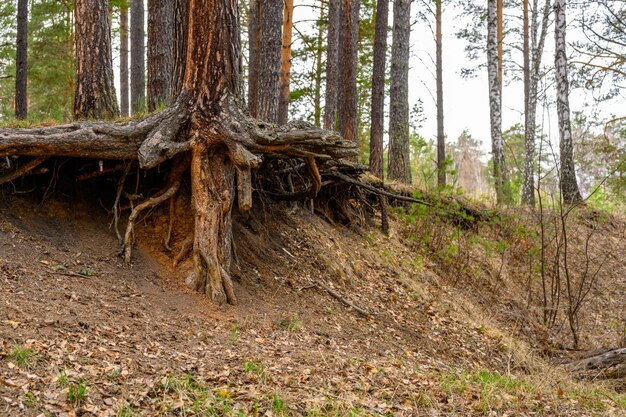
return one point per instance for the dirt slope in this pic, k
(138, 342)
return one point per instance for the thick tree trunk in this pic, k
(94, 92)
(332, 65)
(399, 164)
(495, 106)
(137, 58)
(265, 55)
(569, 185)
(378, 89)
(124, 103)
(348, 45)
(285, 63)
(528, 185)
(441, 138)
(181, 20)
(21, 66)
(160, 52)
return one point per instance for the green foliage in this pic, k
(22, 356)
(77, 392)
(292, 323)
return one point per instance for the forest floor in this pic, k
(82, 334)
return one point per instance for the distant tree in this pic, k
(285, 63)
(503, 194)
(441, 137)
(21, 66)
(94, 93)
(160, 52)
(399, 153)
(568, 182)
(332, 64)
(266, 19)
(348, 45)
(124, 103)
(533, 52)
(137, 57)
(378, 89)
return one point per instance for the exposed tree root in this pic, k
(23, 170)
(353, 306)
(185, 248)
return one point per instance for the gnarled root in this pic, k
(213, 189)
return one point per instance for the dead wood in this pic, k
(599, 359)
(348, 303)
(23, 170)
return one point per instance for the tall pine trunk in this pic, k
(21, 64)
(94, 91)
(160, 52)
(348, 45)
(495, 105)
(399, 164)
(285, 63)
(569, 185)
(124, 60)
(317, 96)
(137, 58)
(266, 19)
(181, 23)
(441, 138)
(332, 65)
(378, 89)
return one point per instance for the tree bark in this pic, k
(537, 46)
(21, 61)
(500, 13)
(124, 104)
(332, 65)
(569, 185)
(137, 58)
(160, 52)
(94, 91)
(441, 138)
(495, 106)
(285, 63)
(181, 20)
(528, 195)
(399, 164)
(378, 89)
(348, 45)
(265, 57)
(317, 96)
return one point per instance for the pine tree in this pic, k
(441, 138)
(160, 52)
(332, 65)
(124, 104)
(137, 58)
(348, 45)
(378, 89)
(94, 93)
(399, 152)
(21, 65)
(285, 63)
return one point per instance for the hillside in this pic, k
(429, 320)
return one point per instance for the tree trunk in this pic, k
(500, 12)
(378, 89)
(528, 185)
(181, 20)
(399, 164)
(317, 97)
(528, 192)
(160, 52)
(21, 65)
(348, 45)
(569, 185)
(137, 57)
(332, 65)
(495, 106)
(124, 60)
(441, 138)
(265, 57)
(285, 63)
(94, 92)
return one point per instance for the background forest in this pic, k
(596, 31)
